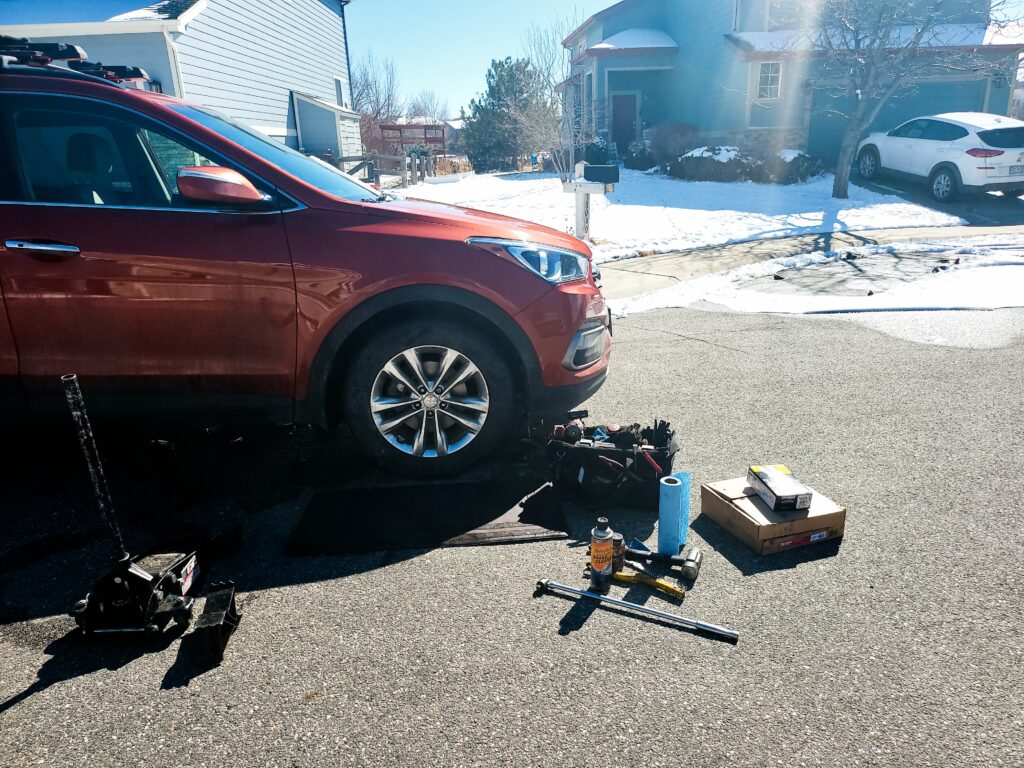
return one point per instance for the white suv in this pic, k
(954, 152)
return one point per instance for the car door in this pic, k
(934, 146)
(898, 150)
(109, 273)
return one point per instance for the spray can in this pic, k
(618, 552)
(602, 556)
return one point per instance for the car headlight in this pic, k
(553, 264)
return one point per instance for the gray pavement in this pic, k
(900, 647)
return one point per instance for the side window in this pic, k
(939, 131)
(73, 158)
(82, 153)
(170, 157)
(913, 130)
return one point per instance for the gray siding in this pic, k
(244, 57)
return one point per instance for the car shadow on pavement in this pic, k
(749, 562)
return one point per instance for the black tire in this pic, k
(943, 185)
(868, 163)
(370, 360)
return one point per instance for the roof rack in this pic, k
(21, 55)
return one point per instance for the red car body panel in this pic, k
(168, 299)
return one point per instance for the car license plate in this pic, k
(1017, 170)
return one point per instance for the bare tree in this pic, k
(377, 97)
(868, 51)
(555, 119)
(428, 104)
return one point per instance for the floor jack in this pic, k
(144, 593)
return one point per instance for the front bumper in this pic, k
(548, 402)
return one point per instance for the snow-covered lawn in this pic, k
(969, 273)
(651, 213)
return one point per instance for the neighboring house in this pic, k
(281, 66)
(404, 133)
(730, 68)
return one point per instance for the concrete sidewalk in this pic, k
(632, 277)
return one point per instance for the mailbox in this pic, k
(602, 174)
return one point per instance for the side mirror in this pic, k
(215, 184)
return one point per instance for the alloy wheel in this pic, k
(429, 401)
(867, 165)
(942, 186)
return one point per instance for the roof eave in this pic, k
(600, 52)
(108, 27)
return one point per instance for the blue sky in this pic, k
(447, 45)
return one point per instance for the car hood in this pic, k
(476, 223)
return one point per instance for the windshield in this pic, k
(314, 172)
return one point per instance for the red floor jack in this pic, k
(144, 593)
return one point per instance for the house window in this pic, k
(340, 92)
(769, 81)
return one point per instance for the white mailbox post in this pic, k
(583, 189)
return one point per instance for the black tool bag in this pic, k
(611, 467)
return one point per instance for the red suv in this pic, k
(182, 263)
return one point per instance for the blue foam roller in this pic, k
(673, 513)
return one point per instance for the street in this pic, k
(900, 646)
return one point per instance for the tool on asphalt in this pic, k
(546, 585)
(691, 566)
(143, 593)
(640, 551)
(673, 512)
(612, 464)
(602, 555)
(778, 488)
(217, 622)
(662, 585)
(618, 552)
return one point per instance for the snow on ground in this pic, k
(989, 275)
(650, 213)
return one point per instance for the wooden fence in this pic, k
(412, 170)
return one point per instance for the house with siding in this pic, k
(280, 66)
(743, 73)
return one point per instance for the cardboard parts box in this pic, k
(735, 506)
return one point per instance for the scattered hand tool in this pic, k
(691, 566)
(641, 576)
(546, 585)
(662, 585)
(640, 551)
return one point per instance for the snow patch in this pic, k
(654, 213)
(636, 37)
(721, 154)
(789, 155)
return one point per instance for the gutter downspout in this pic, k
(172, 59)
(348, 58)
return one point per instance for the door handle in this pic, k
(58, 250)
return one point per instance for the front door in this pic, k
(624, 123)
(109, 273)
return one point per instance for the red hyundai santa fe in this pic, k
(181, 263)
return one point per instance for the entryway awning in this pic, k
(637, 40)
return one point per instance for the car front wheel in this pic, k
(943, 185)
(428, 399)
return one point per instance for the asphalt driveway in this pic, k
(985, 210)
(901, 646)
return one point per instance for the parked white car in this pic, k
(954, 153)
